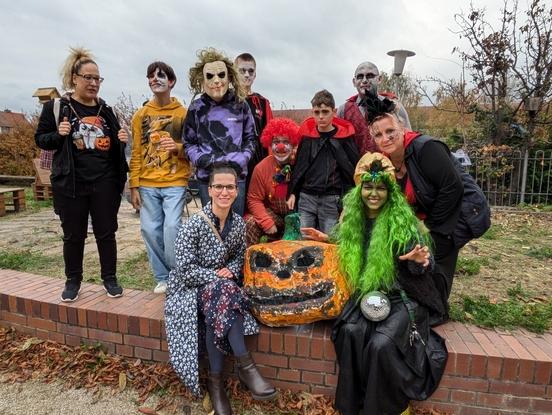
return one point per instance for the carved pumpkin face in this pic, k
(294, 282)
(103, 143)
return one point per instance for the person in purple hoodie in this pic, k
(219, 126)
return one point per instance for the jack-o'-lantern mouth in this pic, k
(299, 297)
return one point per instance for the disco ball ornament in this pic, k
(375, 306)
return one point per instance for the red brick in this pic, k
(122, 323)
(112, 322)
(268, 372)
(510, 369)
(12, 303)
(42, 334)
(155, 328)
(302, 346)
(23, 329)
(322, 390)
(462, 365)
(517, 389)
(91, 319)
(276, 343)
(4, 302)
(41, 324)
(312, 365)
(144, 327)
(133, 325)
(102, 320)
(81, 317)
(72, 317)
(290, 346)
(289, 375)
(28, 306)
(456, 382)
(317, 348)
(145, 342)
(141, 353)
(441, 394)
(164, 346)
(62, 313)
(312, 377)
(124, 350)
(56, 337)
(71, 340)
(330, 380)
(542, 405)
(478, 366)
(271, 360)
(160, 356)
(105, 336)
(329, 350)
(517, 347)
(72, 330)
(463, 396)
(526, 370)
(13, 318)
(494, 367)
(543, 373)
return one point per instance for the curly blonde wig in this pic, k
(210, 55)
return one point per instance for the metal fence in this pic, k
(514, 178)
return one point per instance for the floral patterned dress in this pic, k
(196, 295)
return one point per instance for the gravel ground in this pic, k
(39, 398)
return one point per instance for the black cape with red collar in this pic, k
(343, 148)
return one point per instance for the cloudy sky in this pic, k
(300, 46)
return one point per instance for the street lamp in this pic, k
(400, 56)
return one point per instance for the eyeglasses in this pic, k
(367, 76)
(90, 78)
(218, 188)
(210, 76)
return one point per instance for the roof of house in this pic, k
(12, 119)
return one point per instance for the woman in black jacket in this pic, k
(88, 170)
(428, 178)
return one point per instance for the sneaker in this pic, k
(70, 292)
(160, 288)
(112, 288)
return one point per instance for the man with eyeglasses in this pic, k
(366, 81)
(246, 66)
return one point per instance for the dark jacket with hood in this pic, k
(63, 165)
(433, 185)
(342, 148)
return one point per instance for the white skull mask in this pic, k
(215, 80)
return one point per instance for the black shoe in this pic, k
(70, 292)
(112, 288)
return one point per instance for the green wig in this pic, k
(368, 259)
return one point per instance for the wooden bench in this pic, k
(42, 188)
(489, 372)
(12, 196)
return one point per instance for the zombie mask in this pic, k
(294, 282)
(215, 80)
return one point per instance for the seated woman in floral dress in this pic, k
(386, 351)
(205, 298)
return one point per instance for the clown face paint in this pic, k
(281, 149)
(374, 196)
(366, 78)
(159, 82)
(215, 80)
(246, 73)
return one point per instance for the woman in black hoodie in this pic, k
(88, 170)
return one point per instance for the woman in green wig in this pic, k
(386, 350)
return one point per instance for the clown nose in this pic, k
(280, 147)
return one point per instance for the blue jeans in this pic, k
(320, 212)
(160, 218)
(239, 204)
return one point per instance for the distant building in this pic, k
(9, 120)
(296, 115)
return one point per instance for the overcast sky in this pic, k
(300, 46)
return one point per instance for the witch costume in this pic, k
(196, 295)
(385, 364)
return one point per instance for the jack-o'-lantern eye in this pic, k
(305, 258)
(261, 260)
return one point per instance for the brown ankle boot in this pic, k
(219, 399)
(249, 376)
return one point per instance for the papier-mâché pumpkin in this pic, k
(294, 282)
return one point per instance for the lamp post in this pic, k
(399, 56)
(532, 106)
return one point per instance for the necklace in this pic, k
(398, 168)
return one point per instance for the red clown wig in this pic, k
(278, 127)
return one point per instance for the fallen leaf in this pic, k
(147, 411)
(122, 381)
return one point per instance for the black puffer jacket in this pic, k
(63, 166)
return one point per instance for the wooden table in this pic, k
(12, 196)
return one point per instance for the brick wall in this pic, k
(488, 371)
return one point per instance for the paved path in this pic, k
(40, 232)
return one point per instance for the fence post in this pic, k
(524, 175)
